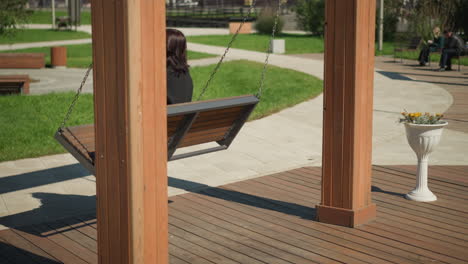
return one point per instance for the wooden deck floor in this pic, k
(270, 220)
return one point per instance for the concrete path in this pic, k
(296, 141)
(187, 30)
(87, 29)
(84, 28)
(44, 44)
(63, 80)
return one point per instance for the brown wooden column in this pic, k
(131, 138)
(347, 128)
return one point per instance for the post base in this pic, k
(421, 196)
(345, 217)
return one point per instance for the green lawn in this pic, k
(37, 35)
(295, 43)
(80, 56)
(45, 17)
(29, 122)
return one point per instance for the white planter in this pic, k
(423, 139)
(278, 46)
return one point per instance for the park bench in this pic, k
(63, 22)
(463, 54)
(22, 60)
(403, 45)
(14, 84)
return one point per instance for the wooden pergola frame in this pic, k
(131, 144)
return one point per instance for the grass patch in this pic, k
(37, 35)
(413, 55)
(81, 56)
(283, 87)
(295, 43)
(29, 122)
(45, 17)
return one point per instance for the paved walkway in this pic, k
(257, 151)
(69, 79)
(44, 44)
(456, 83)
(87, 29)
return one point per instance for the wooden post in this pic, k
(347, 128)
(131, 138)
(58, 57)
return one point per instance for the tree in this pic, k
(392, 13)
(310, 15)
(461, 17)
(12, 13)
(427, 14)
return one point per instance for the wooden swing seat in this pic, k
(188, 124)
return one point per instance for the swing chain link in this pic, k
(75, 99)
(269, 51)
(215, 70)
(218, 65)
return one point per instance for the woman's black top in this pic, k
(179, 87)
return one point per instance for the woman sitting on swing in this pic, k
(179, 82)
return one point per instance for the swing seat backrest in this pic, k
(188, 124)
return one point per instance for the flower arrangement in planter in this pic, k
(419, 118)
(423, 132)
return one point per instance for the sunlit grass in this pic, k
(29, 122)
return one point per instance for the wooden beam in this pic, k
(348, 108)
(131, 132)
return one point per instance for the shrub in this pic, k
(12, 13)
(266, 21)
(310, 15)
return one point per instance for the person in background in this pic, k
(179, 81)
(436, 44)
(453, 47)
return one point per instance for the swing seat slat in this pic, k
(188, 124)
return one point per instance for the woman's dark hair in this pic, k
(176, 51)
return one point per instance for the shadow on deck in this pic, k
(271, 220)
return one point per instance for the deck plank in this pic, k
(342, 234)
(270, 219)
(37, 254)
(11, 254)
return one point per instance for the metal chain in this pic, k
(75, 99)
(215, 70)
(269, 51)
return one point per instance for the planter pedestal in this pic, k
(423, 139)
(421, 193)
